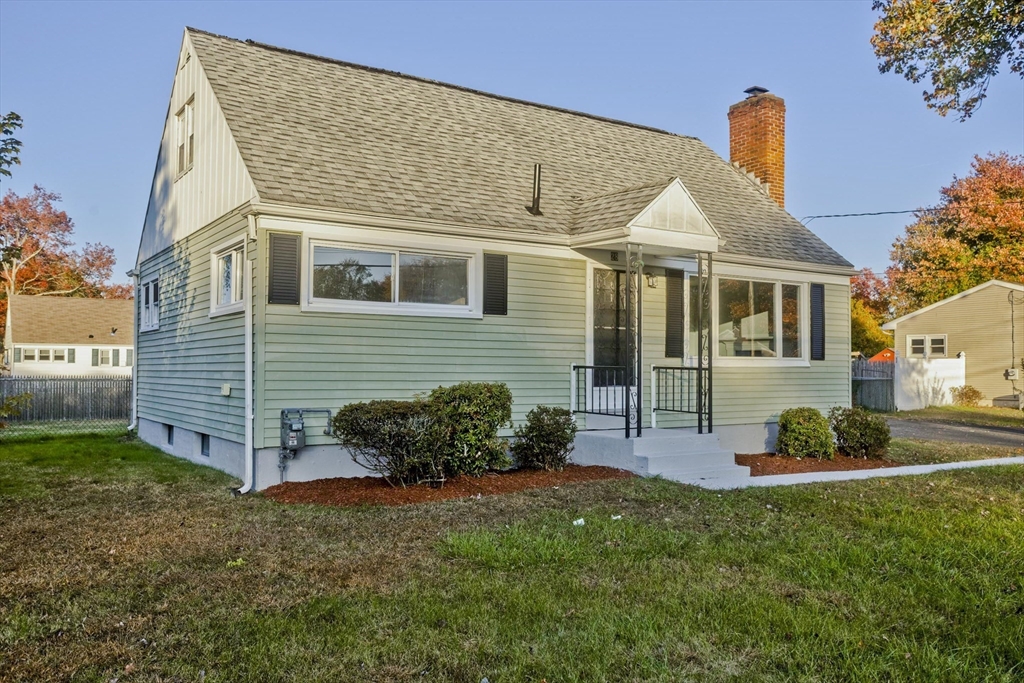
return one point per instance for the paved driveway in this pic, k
(943, 431)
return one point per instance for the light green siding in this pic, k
(756, 395)
(311, 359)
(182, 366)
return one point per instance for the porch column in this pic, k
(634, 340)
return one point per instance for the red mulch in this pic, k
(761, 464)
(349, 492)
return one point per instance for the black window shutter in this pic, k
(673, 314)
(129, 356)
(283, 285)
(17, 354)
(95, 358)
(115, 357)
(495, 284)
(71, 355)
(817, 322)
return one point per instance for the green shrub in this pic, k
(804, 433)
(396, 439)
(469, 415)
(966, 396)
(545, 441)
(859, 434)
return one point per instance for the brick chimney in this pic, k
(757, 139)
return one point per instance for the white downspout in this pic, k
(250, 447)
(134, 275)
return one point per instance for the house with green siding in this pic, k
(320, 232)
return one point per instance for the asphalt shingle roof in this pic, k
(71, 320)
(322, 133)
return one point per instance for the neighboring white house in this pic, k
(49, 336)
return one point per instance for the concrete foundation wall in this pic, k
(227, 456)
(312, 462)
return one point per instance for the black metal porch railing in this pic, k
(599, 390)
(682, 390)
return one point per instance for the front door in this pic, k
(608, 341)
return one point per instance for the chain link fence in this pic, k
(34, 407)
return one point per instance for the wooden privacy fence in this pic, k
(874, 384)
(62, 405)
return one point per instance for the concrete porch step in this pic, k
(679, 455)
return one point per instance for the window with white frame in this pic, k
(228, 292)
(149, 307)
(104, 357)
(185, 136)
(926, 346)
(760, 319)
(390, 280)
(38, 355)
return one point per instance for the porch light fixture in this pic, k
(652, 281)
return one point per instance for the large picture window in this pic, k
(399, 281)
(760, 319)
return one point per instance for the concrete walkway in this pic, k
(812, 477)
(957, 433)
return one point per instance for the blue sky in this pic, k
(92, 81)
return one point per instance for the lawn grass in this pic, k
(977, 417)
(114, 555)
(921, 452)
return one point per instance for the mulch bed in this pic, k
(349, 492)
(761, 464)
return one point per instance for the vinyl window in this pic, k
(185, 136)
(38, 355)
(926, 346)
(149, 306)
(759, 319)
(228, 294)
(380, 280)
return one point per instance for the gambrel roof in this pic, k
(322, 133)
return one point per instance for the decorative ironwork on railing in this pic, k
(682, 390)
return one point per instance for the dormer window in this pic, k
(185, 136)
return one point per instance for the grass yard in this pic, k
(921, 452)
(976, 417)
(117, 561)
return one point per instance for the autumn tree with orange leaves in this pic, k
(37, 255)
(974, 235)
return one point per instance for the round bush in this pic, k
(859, 434)
(804, 433)
(545, 441)
(469, 415)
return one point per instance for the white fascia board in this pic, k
(891, 325)
(683, 241)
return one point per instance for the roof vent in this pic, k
(534, 208)
(755, 90)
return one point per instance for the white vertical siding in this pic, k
(218, 180)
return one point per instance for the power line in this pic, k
(807, 219)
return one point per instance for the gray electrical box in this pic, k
(293, 433)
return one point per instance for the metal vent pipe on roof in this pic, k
(535, 207)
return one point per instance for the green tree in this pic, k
(10, 147)
(866, 335)
(957, 44)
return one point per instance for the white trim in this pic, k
(803, 361)
(474, 257)
(928, 345)
(236, 246)
(149, 314)
(677, 181)
(891, 325)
